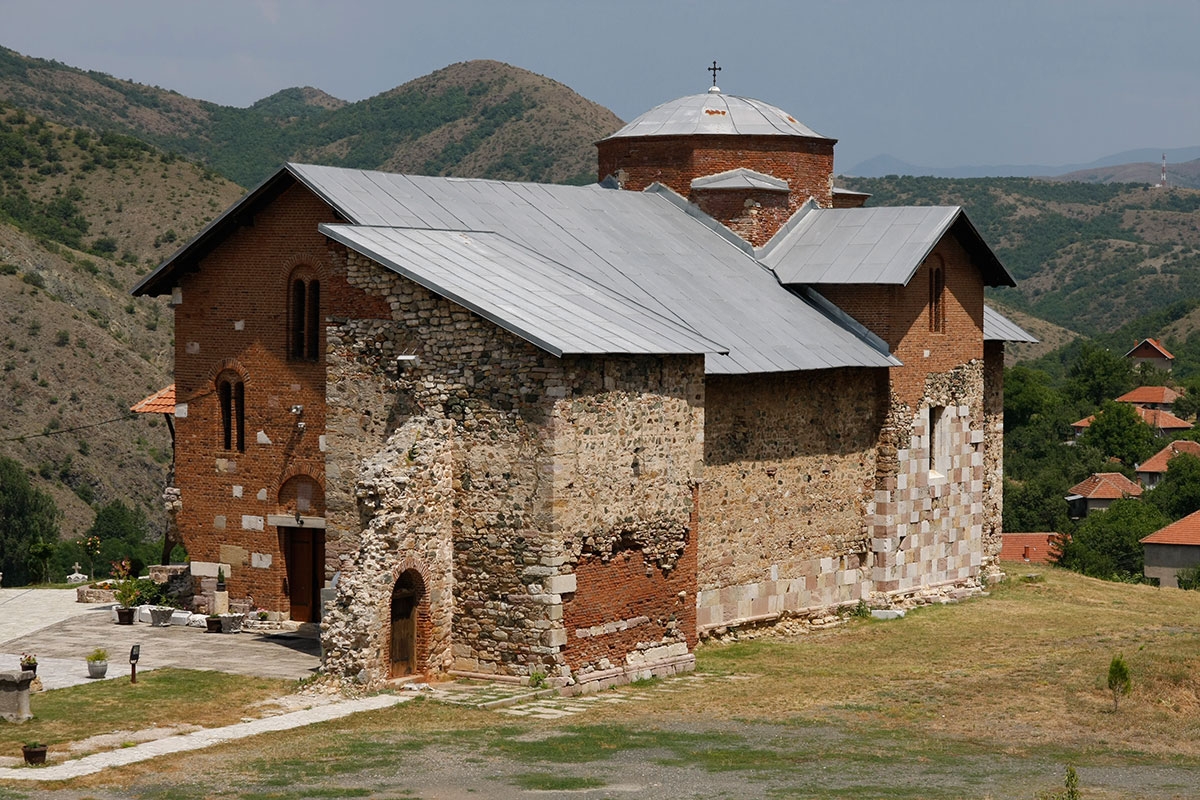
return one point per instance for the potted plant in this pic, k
(220, 579)
(34, 752)
(29, 662)
(160, 616)
(126, 592)
(213, 623)
(97, 663)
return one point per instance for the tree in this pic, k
(1178, 493)
(1098, 375)
(1119, 432)
(27, 515)
(1119, 680)
(1107, 544)
(123, 532)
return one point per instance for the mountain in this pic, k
(1089, 257)
(476, 118)
(1091, 172)
(82, 216)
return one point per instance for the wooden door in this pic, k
(403, 633)
(304, 552)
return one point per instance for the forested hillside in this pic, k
(82, 216)
(473, 119)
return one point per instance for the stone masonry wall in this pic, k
(494, 468)
(787, 493)
(927, 529)
(993, 455)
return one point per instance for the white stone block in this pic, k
(237, 491)
(208, 569)
(556, 637)
(261, 560)
(262, 495)
(239, 324)
(262, 438)
(219, 522)
(561, 584)
(252, 522)
(181, 411)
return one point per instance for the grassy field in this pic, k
(989, 698)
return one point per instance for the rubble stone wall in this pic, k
(493, 468)
(993, 455)
(787, 492)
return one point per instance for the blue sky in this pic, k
(932, 82)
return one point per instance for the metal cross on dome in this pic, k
(714, 69)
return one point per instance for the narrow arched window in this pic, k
(304, 318)
(231, 392)
(937, 298)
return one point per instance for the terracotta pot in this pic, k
(125, 615)
(34, 755)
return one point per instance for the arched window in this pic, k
(304, 317)
(937, 296)
(232, 393)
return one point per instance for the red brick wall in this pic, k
(243, 284)
(674, 161)
(753, 215)
(627, 587)
(900, 316)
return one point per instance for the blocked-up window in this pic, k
(937, 296)
(304, 318)
(938, 426)
(231, 392)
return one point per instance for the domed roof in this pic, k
(714, 113)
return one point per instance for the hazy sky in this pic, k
(932, 82)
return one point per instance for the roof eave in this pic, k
(162, 279)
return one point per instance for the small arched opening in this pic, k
(408, 603)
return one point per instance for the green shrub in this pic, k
(1119, 680)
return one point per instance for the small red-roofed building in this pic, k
(1029, 548)
(1161, 398)
(1174, 548)
(1097, 491)
(1151, 351)
(1162, 422)
(1151, 471)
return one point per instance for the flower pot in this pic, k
(97, 669)
(29, 667)
(213, 624)
(160, 616)
(125, 615)
(34, 755)
(232, 623)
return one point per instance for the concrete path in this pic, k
(23, 611)
(197, 740)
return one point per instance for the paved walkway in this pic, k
(196, 740)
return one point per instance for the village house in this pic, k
(1097, 492)
(1150, 471)
(515, 429)
(1151, 351)
(1160, 398)
(1173, 549)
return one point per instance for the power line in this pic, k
(124, 418)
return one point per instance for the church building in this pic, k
(510, 429)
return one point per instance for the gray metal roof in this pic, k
(741, 178)
(999, 328)
(521, 291)
(636, 245)
(714, 113)
(883, 245)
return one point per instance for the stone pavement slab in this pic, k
(197, 740)
(23, 611)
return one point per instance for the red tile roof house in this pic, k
(1151, 351)
(1097, 491)
(1030, 548)
(1159, 397)
(1151, 471)
(1163, 422)
(1174, 548)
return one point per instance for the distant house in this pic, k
(1162, 422)
(1151, 472)
(1097, 491)
(1161, 398)
(1030, 548)
(1174, 548)
(1151, 351)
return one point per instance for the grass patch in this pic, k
(160, 697)
(545, 782)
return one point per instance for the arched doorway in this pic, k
(406, 598)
